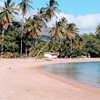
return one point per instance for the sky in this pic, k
(84, 13)
(75, 7)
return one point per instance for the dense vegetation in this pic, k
(24, 39)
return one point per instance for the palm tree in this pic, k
(33, 27)
(70, 32)
(55, 33)
(6, 16)
(24, 5)
(48, 12)
(58, 30)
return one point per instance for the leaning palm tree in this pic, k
(24, 6)
(6, 16)
(48, 12)
(33, 27)
(55, 33)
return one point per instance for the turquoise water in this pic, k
(86, 73)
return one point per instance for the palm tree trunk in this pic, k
(2, 46)
(26, 52)
(41, 49)
(33, 46)
(21, 47)
(21, 50)
(71, 47)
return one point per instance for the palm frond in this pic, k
(7, 12)
(25, 6)
(8, 2)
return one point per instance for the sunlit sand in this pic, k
(22, 79)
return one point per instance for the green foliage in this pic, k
(33, 53)
(92, 45)
(65, 39)
(41, 56)
(8, 55)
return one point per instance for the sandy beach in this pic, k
(22, 79)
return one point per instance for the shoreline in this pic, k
(69, 81)
(16, 72)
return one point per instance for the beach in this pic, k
(23, 79)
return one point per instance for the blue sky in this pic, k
(75, 7)
(84, 13)
(78, 7)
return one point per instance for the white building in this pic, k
(50, 55)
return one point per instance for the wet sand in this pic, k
(22, 79)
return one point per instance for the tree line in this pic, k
(23, 38)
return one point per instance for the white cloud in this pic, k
(1, 3)
(86, 23)
(19, 17)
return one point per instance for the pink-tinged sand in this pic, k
(22, 79)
